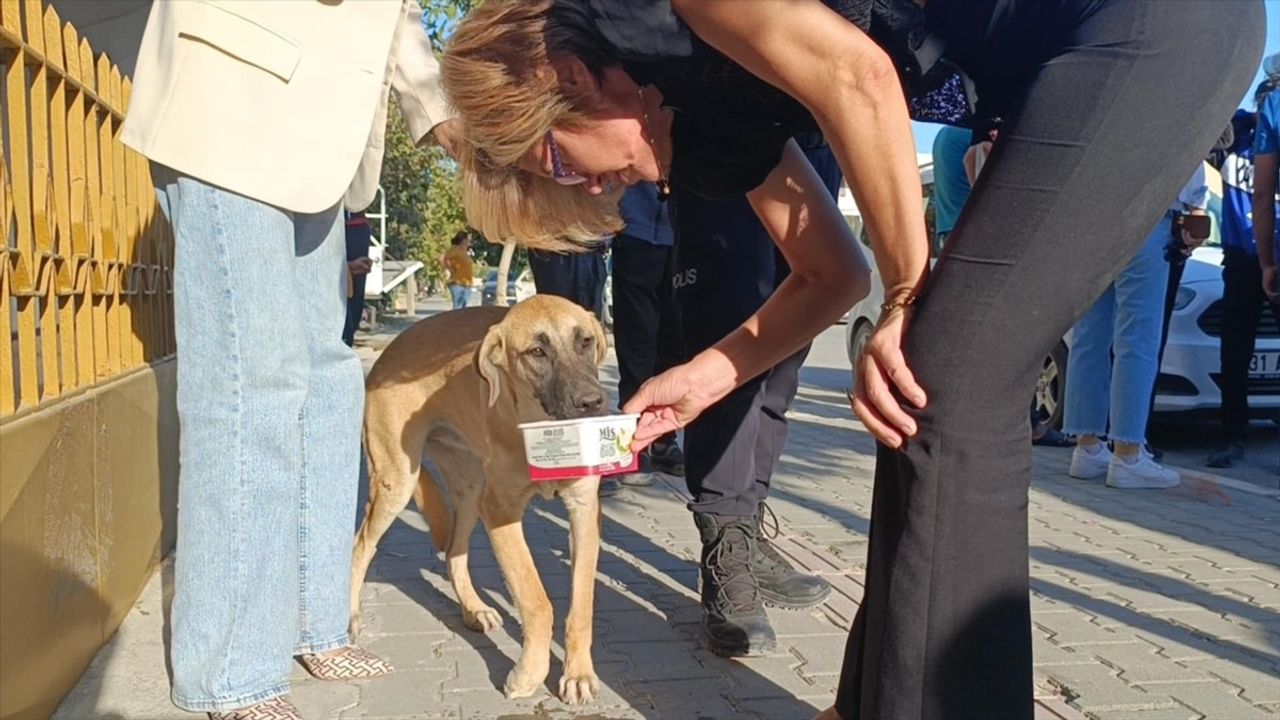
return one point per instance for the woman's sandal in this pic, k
(348, 663)
(277, 708)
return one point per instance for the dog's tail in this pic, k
(432, 504)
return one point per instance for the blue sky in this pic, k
(924, 132)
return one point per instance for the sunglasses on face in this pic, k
(557, 166)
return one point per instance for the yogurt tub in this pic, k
(570, 449)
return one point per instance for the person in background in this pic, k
(646, 322)
(578, 277)
(1243, 275)
(1181, 246)
(253, 156)
(1113, 362)
(461, 269)
(359, 238)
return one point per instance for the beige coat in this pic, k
(284, 101)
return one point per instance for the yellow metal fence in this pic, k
(85, 256)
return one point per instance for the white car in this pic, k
(518, 288)
(1188, 378)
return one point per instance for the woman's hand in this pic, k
(670, 401)
(881, 368)
(448, 135)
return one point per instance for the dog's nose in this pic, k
(588, 402)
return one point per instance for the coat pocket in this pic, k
(242, 37)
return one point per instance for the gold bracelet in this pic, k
(908, 301)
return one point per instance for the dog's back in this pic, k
(432, 348)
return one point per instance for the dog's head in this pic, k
(545, 354)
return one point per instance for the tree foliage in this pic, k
(424, 206)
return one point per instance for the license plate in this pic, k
(1265, 364)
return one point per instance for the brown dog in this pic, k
(453, 388)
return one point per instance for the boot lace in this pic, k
(728, 562)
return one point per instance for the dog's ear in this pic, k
(602, 343)
(491, 355)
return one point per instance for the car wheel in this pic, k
(1051, 386)
(857, 341)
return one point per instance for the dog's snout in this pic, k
(588, 401)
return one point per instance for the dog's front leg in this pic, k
(502, 519)
(582, 501)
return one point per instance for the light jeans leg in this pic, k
(331, 418)
(1089, 369)
(1139, 302)
(243, 316)
(461, 296)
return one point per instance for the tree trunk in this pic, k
(504, 269)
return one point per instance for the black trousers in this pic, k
(574, 276)
(1128, 96)
(359, 238)
(1242, 304)
(646, 320)
(1170, 297)
(726, 267)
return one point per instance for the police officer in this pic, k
(726, 267)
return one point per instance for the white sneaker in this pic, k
(1089, 464)
(1143, 473)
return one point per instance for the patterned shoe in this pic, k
(277, 708)
(348, 663)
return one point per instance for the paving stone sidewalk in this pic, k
(1146, 605)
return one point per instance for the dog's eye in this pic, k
(536, 352)
(587, 342)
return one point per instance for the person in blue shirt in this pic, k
(950, 182)
(1248, 208)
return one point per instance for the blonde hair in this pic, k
(497, 75)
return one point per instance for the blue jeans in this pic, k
(1126, 321)
(461, 295)
(270, 403)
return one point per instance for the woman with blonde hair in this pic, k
(1104, 107)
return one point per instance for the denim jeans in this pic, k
(461, 295)
(1125, 322)
(270, 403)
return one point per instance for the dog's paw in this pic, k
(523, 682)
(482, 619)
(579, 689)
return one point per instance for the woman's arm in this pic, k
(828, 275)
(851, 87)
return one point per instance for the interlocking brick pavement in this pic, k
(1146, 605)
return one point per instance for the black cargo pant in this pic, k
(726, 267)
